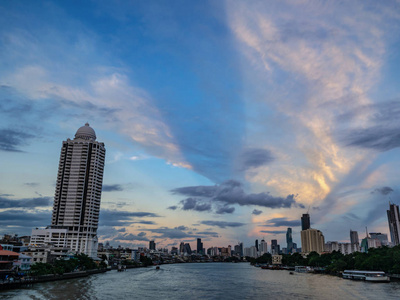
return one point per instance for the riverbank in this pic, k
(29, 281)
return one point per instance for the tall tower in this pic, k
(78, 190)
(394, 223)
(199, 247)
(305, 222)
(289, 240)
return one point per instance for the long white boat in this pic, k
(373, 276)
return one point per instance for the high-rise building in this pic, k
(275, 248)
(256, 245)
(289, 240)
(263, 247)
(394, 223)
(312, 240)
(305, 222)
(152, 245)
(199, 246)
(78, 191)
(354, 241)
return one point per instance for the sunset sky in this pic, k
(223, 120)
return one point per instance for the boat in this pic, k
(372, 276)
(304, 269)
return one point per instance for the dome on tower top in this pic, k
(85, 132)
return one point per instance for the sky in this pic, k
(222, 120)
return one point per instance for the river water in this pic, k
(207, 281)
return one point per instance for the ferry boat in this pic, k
(373, 276)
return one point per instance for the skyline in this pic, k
(223, 121)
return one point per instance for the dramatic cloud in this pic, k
(11, 140)
(276, 222)
(112, 187)
(222, 224)
(231, 192)
(25, 203)
(253, 158)
(385, 190)
(174, 207)
(256, 212)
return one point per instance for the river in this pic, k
(207, 281)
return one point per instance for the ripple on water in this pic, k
(206, 281)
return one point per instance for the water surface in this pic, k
(207, 281)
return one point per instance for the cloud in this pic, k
(181, 227)
(24, 203)
(379, 130)
(222, 224)
(131, 237)
(253, 158)
(385, 190)
(273, 231)
(17, 217)
(144, 222)
(122, 218)
(225, 210)
(32, 184)
(277, 222)
(209, 233)
(256, 212)
(11, 140)
(231, 192)
(112, 187)
(194, 204)
(174, 207)
(377, 138)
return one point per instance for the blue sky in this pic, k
(224, 120)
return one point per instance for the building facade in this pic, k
(312, 240)
(394, 223)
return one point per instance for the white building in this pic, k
(78, 194)
(49, 236)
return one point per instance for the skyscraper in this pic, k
(394, 223)
(289, 240)
(152, 245)
(256, 244)
(354, 241)
(199, 246)
(305, 222)
(78, 190)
